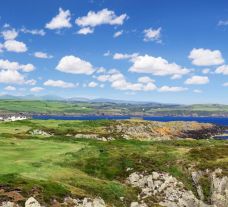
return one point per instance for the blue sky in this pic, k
(158, 50)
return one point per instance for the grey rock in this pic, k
(32, 202)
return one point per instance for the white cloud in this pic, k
(205, 57)
(85, 31)
(1, 47)
(222, 70)
(176, 76)
(104, 16)
(75, 65)
(11, 76)
(9, 34)
(31, 82)
(120, 56)
(62, 20)
(59, 83)
(225, 84)
(197, 80)
(10, 88)
(28, 67)
(145, 79)
(149, 87)
(172, 89)
(7, 65)
(118, 81)
(223, 23)
(42, 55)
(197, 91)
(152, 35)
(118, 33)
(40, 32)
(36, 89)
(101, 70)
(108, 53)
(156, 66)
(206, 71)
(15, 46)
(92, 84)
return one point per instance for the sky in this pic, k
(158, 50)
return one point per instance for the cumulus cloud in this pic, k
(42, 55)
(85, 31)
(36, 89)
(222, 70)
(176, 76)
(10, 88)
(1, 47)
(15, 46)
(156, 66)
(118, 33)
(59, 83)
(75, 65)
(62, 20)
(10, 34)
(225, 84)
(11, 76)
(7, 65)
(120, 56)
(223, 23)
(197, 91)
(145, 79)
(118, 81)
(206, 57)
(92, 84)
(31, 82)
(107, 53)
(105, 16)
(152, 35)
(206, 71)
(40, 32)
(172, 89)
(197, 80)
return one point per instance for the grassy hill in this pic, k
(61, 165)
(110, 108)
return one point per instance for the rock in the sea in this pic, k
(32, 202)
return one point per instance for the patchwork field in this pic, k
(110, 108)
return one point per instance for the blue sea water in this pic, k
(223, 121)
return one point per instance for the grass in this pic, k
(71, 108)
(57, 166)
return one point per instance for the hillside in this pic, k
(47, 160)
(109, 108)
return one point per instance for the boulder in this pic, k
(32, 202)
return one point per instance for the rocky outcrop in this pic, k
(166, 190)
(218, 195)
(32, 202)
(8, 204)
(152, 130)
(40, 132)
(86, 202)
(93, 136)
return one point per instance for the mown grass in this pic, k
(61, 165)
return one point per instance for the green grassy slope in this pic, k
(61, 165)
(61, 107)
